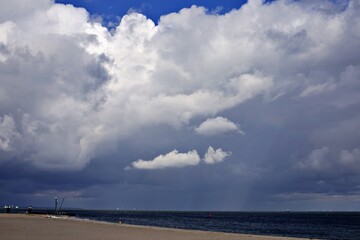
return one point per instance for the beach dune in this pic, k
(31, 227)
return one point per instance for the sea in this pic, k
(320, 225)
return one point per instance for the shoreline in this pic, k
(29, 226)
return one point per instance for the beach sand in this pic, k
(41, 227)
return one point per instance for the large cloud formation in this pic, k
(71, 89)
(71, 86)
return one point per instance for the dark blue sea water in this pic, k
(323, 225)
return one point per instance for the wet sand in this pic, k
(41, 227)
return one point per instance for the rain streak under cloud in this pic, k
(257, 107)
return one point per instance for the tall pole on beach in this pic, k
(56, 203)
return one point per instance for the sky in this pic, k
(111, 10)
(192, 105)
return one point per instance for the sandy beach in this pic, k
(31, 227)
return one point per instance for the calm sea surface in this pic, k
(323, 225)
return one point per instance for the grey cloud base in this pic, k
(86, 102)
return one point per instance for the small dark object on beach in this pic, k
(29, 210)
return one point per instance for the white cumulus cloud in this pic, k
(215, 156)
(218, 125)
(172, 159)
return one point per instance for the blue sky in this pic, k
(252, 109)
(153, 9)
